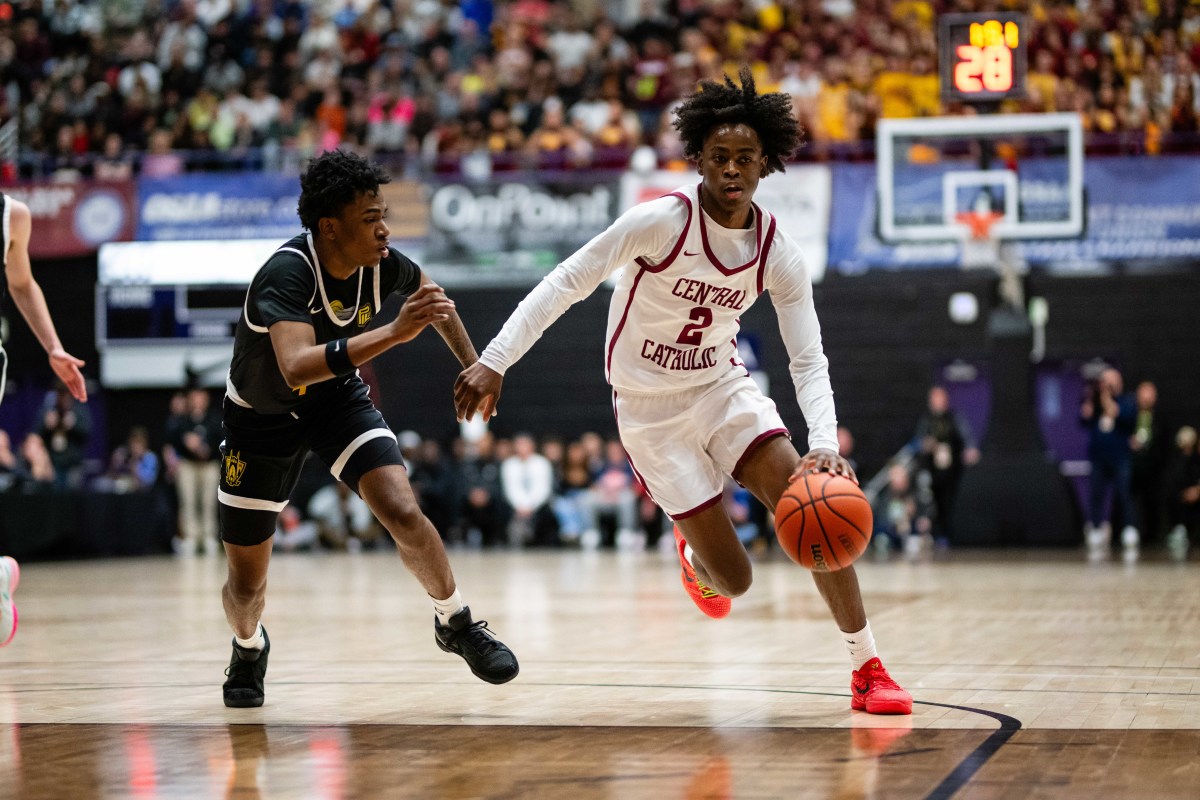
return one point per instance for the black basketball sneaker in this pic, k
(247, 668)
(489, 658)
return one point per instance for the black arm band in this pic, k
(337, 356)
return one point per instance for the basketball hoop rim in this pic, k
(979, 226)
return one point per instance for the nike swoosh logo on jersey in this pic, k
(314, 311)
(686, 253)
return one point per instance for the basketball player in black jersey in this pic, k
(293, 388)
(16, 226)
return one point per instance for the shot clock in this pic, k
(982, 57)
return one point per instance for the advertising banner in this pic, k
(1139, 211)
(218, 206)
(74, 219)
(799, 199)
(511, 233)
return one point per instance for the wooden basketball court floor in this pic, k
(1035, 675)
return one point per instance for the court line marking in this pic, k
(958, 777)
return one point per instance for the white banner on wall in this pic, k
(799, 199)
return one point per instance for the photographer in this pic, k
(1110, 417)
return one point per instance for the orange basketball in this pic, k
(823, 522)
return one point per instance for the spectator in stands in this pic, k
(612, 498)
(343, 520)
(432, 480)
(1110, 417)
(838, 118)
(649, 82)
(36, 465)
(194, 438)
(903, 514)
(944, 446)
(568, 43)
(528, 482)
(161, 160)
(1183, 491)
(572, 503)
(593, 447)
(113, 164)
(293, 532)
(1151, 449)
(483, 511)
(12, 473)
(133, 466)
(182, 38)
(140, 71)
(617, 137)
(66, 426)
(554, 144)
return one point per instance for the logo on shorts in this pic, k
(234, 467)
(364, 315)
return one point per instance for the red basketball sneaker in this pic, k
(708, 601)
(873, 690)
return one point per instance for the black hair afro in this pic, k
(332, 181)
(769, 115)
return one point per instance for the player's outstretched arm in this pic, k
(477, 390)
(454, 333)
(30, 301)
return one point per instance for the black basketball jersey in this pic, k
(293, 286)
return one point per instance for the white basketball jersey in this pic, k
(674, 324)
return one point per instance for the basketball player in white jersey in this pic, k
(687, 410)
(16, 224)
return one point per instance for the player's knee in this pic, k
(401, 515)
(244, 591)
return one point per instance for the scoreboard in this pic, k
(192, 313)
(168, 310)
(982, 57)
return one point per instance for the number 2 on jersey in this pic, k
(701, 318)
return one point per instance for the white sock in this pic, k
(445, 609)
(255, 642)
(861, 646)
(687, 553)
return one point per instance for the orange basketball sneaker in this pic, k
(873, 690)
(708, 601)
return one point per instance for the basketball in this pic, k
(823, 522)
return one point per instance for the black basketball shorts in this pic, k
(262, 455)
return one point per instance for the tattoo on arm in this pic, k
(455, 335)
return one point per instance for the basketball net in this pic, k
(980, 246)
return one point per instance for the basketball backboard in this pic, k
(1027, 169)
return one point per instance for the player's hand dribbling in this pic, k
(822, 460)
(477, 389)
(425, 306)
(66, 367)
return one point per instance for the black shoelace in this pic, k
(243, 669)
(478, 635)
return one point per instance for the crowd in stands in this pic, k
(159, 86)
(548, 492)
(479, 492)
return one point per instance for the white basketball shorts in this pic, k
(683, 444)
